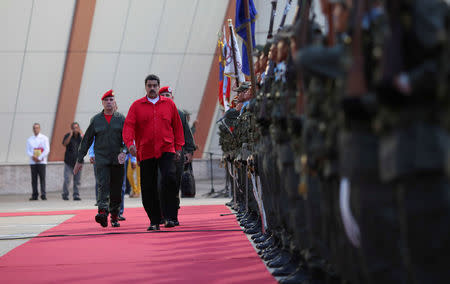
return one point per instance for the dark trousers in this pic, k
(110, 179)
(37, 170)
(149, 188)
(126, 188)
(380, 233)
(424, 212)
(96, 184)
(179, 165)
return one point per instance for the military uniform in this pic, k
(108, 145)
(413, 140)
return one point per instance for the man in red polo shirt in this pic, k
(153, 132)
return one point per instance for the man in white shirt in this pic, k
(38, 149)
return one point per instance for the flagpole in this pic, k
(250, 47)
(233, 50)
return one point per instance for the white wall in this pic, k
(174, 39)
(34, 36)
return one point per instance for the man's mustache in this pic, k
(152, 91)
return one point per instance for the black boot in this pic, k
(282, 259)
(271, 254)
(102, 217)
(253, 230)
(169, 224)
(115, 221)
(267, 243)
(285, 270)
(257, 235)
(263, 238)
(153, 227)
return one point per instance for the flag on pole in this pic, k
(226, 89)
(229, 62)
(241, 29)
(226, 93)
(220, 46)
(224, 85)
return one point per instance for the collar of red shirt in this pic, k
(145, 100)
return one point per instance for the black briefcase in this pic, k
(187, 182)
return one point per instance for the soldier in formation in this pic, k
(340, 161)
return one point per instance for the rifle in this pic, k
(272, 17)
(286, 10)
(357, 85)
(250, 47)
(302, 41)
(327, 8)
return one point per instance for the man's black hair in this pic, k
(152, 77)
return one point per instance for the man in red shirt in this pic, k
(154, 133)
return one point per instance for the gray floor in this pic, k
(28, 226)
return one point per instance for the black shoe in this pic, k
(285, 270)
(271, 255)
(267, 243)
(254, 230)
(121, 218)
(282, 259)
(242, 216)
(161, 222)
(115, 221)
(169, 224)
(255, 236)
(33, 198)
(77, 198)
(176, 223)
(43, 197)
(153, 228)
(102, 218)
(268, 250)
(261, 239)
(249, 225)
(65, 198)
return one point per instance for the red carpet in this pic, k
(201, 250)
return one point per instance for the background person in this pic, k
(71, 141)
(38, 149)
(133, 168)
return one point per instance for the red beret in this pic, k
(165, 89)
(109, 93)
